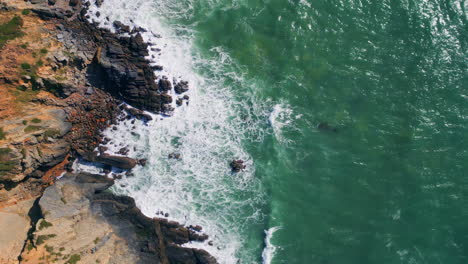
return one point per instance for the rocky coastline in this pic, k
(62, 82)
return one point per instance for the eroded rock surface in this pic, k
(84, 220)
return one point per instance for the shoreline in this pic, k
(107, 69)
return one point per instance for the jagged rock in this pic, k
(174, 156)
(181, 87)
(164, 84)
(77, 206)
(237, 165)
(121, 26)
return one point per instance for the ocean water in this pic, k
(352, 117)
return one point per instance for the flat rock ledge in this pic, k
(82, 220)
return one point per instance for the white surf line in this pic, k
(269, 250)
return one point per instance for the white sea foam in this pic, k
(281, 116)
(269, 250)
(207, 133)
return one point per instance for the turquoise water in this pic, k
(385, 181)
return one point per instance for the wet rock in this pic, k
(123, 151)
(102, 149)
(164, 84)
(325, 127)
(121, 26)
(196, 228)
(237, 165)
(181, 87)
(142, 162)
(157, 67)
(51, 2)
(138, 114)
(118, 162)
(174, 155)
(179, 101)
(73, 2)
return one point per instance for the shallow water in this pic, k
(382, 181)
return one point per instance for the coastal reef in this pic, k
(62, 80)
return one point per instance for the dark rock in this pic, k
(115, 161)
(174, 156)
(196, 228)
(157, 68)
(102, 149)
(181, 87)
(164, 84)
(237, 165)
(73, 2)
(121, 26)
(138, 114)
(123, 151)
(142, 162)
(324, 126)
(47, 14)
(179, 101)
(51, 2)
(98, 14)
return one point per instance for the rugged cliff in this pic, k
(61, 81)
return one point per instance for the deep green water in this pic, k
(388, 182)
(391, 185)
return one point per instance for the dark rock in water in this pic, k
(138, 114)
(157, 67)
(51, 2)
(179, 101)
(142, 162)
(185, 97)
(164, 84)
(326, 127)
(118, 162)
(98, 14)
(166, 99)
(123, 151)
(174, 155)
(116, 176)
(99, 3)
(196, 228)
(73, 2)
(237, 165)
(181, 87)
(102, 149)
(121, 26)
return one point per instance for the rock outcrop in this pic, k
(81, 219)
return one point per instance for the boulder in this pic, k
(237, 165)
(181, 87)
(116, 161)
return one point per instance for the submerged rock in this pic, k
(324, 126)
